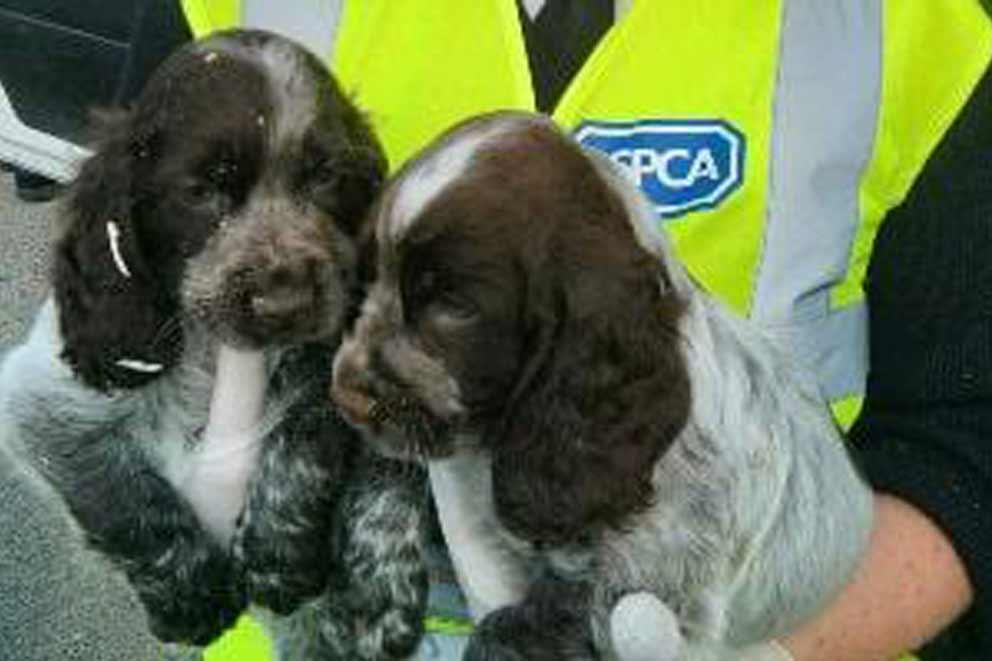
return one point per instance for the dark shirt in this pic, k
(925, 434)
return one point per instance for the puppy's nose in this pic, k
(285, 291)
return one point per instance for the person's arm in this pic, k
(925, 434)
(909, 587)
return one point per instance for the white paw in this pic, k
(644, 629)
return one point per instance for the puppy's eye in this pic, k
(425, 284)
(212, 181)
(323, 183)
(440, 298)
(452, 307)
(324, 171)
(223, 174)
(198, 192)
(343, 188)
(321, 172)
(203, 196)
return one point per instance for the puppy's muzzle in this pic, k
(285, 292)
(281, 284)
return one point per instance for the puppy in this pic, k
(599, 430)
(173, 390)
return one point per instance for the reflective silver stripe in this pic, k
(824, 119)
(839, 343)
(314, 23)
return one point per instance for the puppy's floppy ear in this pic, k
(117, 324)
(604, 395)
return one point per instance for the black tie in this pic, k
(558, 42)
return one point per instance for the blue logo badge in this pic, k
(682, 165)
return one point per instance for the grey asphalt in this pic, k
(58, 602)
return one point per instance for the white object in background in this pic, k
(35, 150)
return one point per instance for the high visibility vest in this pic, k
(773, 137)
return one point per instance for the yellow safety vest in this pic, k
(772, 136)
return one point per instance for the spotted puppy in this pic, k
(173, 390)
(608, 445)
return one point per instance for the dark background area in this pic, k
(60, 58)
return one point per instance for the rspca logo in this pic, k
(682, 166)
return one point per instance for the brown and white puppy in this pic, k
(586, 408)
(173, 390)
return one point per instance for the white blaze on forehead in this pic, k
(293, 90)
(428, 178)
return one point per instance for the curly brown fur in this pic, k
(223, 209)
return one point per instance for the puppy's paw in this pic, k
(514, 634)
(384, 609)
(192, 600)
(280, 572)
(486, 648)
(393, 635)
(283, 540)
(642, 628)
(382, 578)
(191, 623)
(327, 629)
